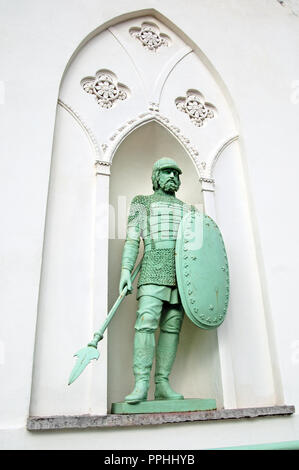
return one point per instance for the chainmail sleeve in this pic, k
(136, 220)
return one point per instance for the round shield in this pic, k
(202, 270)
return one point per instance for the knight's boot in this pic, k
(144, 350)
(165, 356)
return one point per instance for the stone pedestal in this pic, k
(164, 406)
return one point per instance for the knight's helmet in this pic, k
(166, 163)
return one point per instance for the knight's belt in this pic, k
(158, 245)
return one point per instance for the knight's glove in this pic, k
(125, 280)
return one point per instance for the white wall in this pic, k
(246, 330)
(65, 296)
(260, 70)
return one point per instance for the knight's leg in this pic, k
(148, 316)
(171, 323)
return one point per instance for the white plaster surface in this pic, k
(65, 295)
(260, 71)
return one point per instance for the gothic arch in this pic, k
(160, 85)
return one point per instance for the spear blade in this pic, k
(85, 356)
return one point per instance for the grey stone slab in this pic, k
(45, 423)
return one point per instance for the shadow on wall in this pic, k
(196, 370)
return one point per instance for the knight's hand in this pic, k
(125, 280)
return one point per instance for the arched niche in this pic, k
(74, 282)
(196, 370)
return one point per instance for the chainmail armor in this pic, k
(158, 265)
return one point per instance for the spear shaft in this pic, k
(98, 335)
(90, 352)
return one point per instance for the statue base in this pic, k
(164, 406)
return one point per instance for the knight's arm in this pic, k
(131, 247)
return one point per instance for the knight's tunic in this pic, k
(155, 219)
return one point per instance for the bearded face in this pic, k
(169, 180)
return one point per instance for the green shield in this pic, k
(202, 270)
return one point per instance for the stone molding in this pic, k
(85, 127)
(46, 423)
(121, 133)
(102, 167)
(205, 169)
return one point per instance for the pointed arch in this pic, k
(107, 133)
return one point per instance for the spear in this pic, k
(90, 352)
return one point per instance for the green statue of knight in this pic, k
(184, 270)
(155, 219)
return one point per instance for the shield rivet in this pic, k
(211, 307)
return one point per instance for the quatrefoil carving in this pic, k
(105, 87)
(195, 106)
(150, 37)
